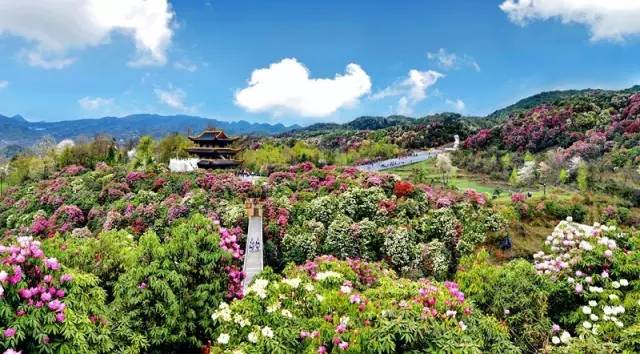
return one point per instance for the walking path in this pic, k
(253, 256)
(415, 157)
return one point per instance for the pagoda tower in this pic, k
(213, 149)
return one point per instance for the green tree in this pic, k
(5, 171)
(144, 151)
(172, 146)
(513, 178)
(513, 293)
(167, 297)
(582, 177)
(564, 176)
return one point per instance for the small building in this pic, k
(214, 149)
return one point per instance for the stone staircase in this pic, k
(253, 256)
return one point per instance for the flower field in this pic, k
(112, 260)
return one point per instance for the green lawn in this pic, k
(461, 179)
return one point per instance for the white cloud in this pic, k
(37, 59)
(413, 89)
(606, 19)
(457, 104)
(286, 87)
(448, 61)
(4, 84)
(174, 98)
(57, 27)
(95, 103)
(186, 66)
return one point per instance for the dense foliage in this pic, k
(327, 306)
(592, 140)
(419, 230)
(131, 258)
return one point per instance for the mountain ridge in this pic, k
(16, 130)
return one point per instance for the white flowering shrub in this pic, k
(369, 239)
(324, 208)
(435, 259)
(596, 270)
(359, 203)
(401, 249)
(302, 242)
(340, 239)
(232, 214)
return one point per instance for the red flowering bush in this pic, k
(402, 188)
(474, 197)
(479, 140)
(73, 170)
(67, 217)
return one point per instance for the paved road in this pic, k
(399, 161)
(253, 263)
(417, 156)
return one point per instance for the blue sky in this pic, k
(87, 59)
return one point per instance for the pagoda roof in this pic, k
(211, 134)
(197, 149)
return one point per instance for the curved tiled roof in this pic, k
(210, 134)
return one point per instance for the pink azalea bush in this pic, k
(37, 297)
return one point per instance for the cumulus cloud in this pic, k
(286, 87)
(95, 103)
(4, 84)
(606, 19)
(457, 104)
(174, 98)
(448, 61)
(55, 28)
(412, 89)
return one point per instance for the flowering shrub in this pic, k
(328, 306)
(67, 217)
(595, 273)
(43, 309)
(539, 128)
(479, 140)
(402, 188)
(373, 217)
(168, 294)
(518, 198)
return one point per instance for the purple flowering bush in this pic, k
(44, 309)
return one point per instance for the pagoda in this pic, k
(213, 149)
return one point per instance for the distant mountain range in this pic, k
(17, 131)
